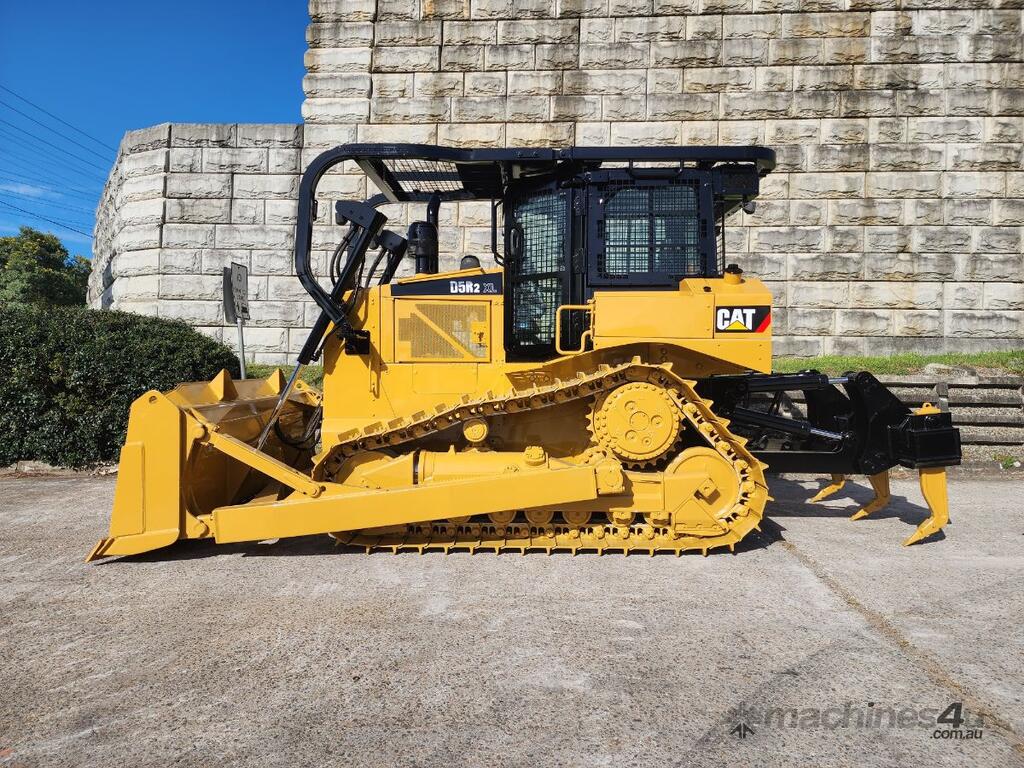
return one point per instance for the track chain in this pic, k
(519, 535)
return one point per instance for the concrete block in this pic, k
(689, 106)
(195, 287)
(470, 33)
(894, 265)
(135, 263)
(185, 160)
(967, 211)
(526, 31)
(962, 295)
(188, 236)
(581, 8)
(599, 82)
(346, 85)
(787, 239)
(535, 83)
(645, 29)
(637, 134)
(462, 58)
(247, 212)
(406, 33)
(718, 79)
(486, 83)
(341, 34)
(617, 108)
(202, 135)
(686, 53)
(180, 260)
(434, 109)
(266, 237)
(792, 131)
(896, 295)
(613, 55)
(472, 134)
(1002, 296)
(234, 160)
(982, 184)
(904, 184)
(556, 57)
(917, 323)
(827, 185)
(508, 57)
(336, 110)
(755, 105)
(868, 212)
(406, 58)
(863, 322)
(984, 324)
(814, 293)
(143, 139)
(199, 211)
(849, 24)
(576, 108)
(266, 187)
(538, 134)
(802, 321)
(799, 51)
(338, 59)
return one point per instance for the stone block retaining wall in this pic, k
(894, 221)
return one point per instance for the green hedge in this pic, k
(69, 374)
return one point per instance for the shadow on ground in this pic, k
(791, 499)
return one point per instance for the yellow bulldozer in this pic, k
(605, 387)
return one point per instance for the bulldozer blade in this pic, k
(829, 489)
(933, 488)
(880, 484)
(171, 472)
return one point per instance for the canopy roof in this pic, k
(415, 172)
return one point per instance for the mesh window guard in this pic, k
(537, 285)
(653, 230)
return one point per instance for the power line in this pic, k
(44, 218)
(51, 144)
(38, 162)
(59, 120)
(48, 202)
(47, 155)
(54, 130)
(15, 177)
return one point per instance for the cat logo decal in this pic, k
(742, 319)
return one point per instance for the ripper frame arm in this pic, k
(867, 430)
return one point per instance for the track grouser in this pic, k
(606, 386)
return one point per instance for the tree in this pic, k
(36, 268)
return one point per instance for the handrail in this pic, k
(588, 307)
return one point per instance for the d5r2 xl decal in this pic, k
(480, 285)
(742, 319)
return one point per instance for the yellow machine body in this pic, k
(561, 401)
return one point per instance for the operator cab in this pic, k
(574, 221)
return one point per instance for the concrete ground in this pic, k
(821, 640)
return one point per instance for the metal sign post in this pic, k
(236, 303)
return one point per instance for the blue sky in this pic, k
(111, 66)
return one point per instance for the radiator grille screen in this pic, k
(426, 330)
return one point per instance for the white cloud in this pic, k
(29, 190)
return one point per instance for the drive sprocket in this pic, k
(638, 422)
